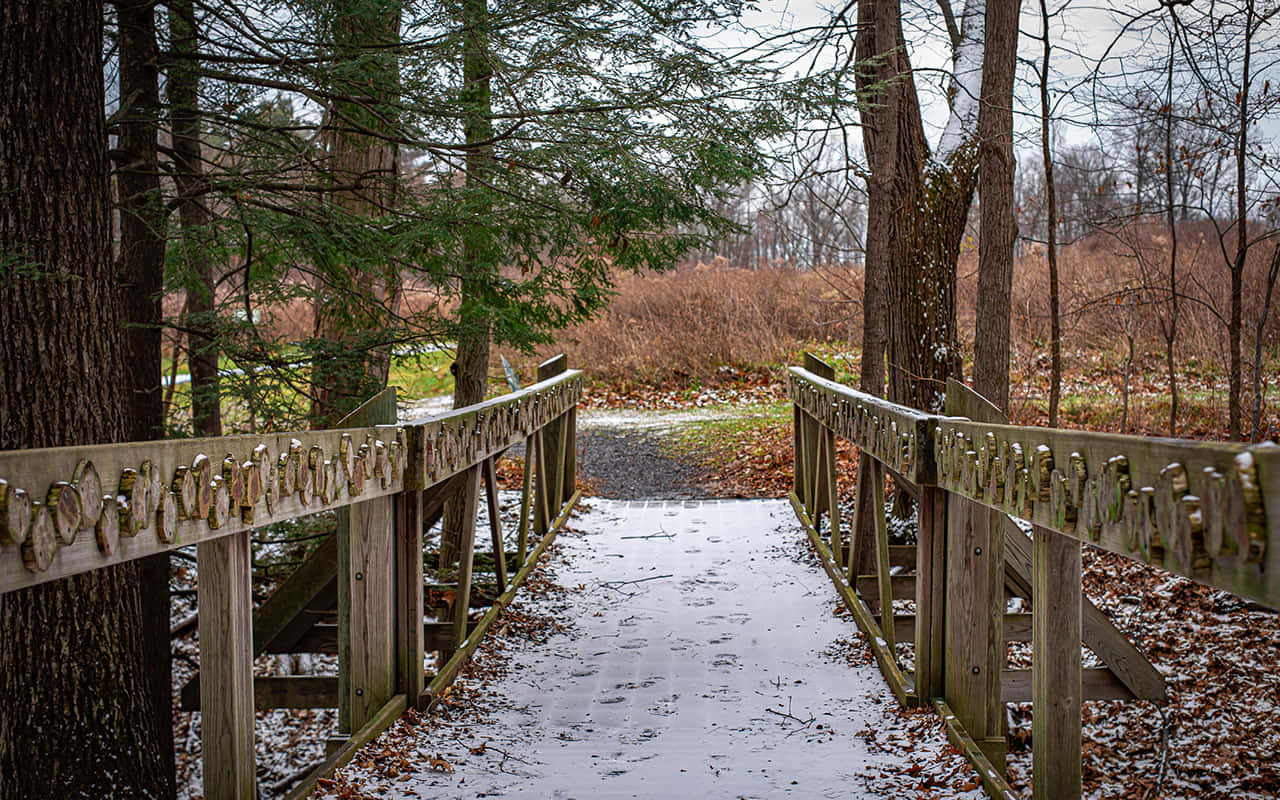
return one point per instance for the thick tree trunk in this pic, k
(999, 229)
(471, 368)
(1051, 205)
(352, 361)
(75, 713)
(141, 270)
(200, 317)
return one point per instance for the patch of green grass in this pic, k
(741, 431)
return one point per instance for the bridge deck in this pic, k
(684, 655)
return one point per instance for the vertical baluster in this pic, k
(1056, 627)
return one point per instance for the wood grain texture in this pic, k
(1056, 689)
(367, 629)
(411, 644)
(226, 687)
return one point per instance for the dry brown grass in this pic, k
(686, 325)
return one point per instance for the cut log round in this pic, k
(64, 504)
(347, 453)
(132, 502)
(155, 488)
(233, 478)
(316, 466)
(42, 541)
(15, 514)
(87, 481)
(271, 488)
(107, 529)
(286, 475)
(167, 518)
(306, 485)
(220, 510)
(203, 469)
(185, 491)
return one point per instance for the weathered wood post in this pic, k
(931, 588)
(820, 459)
(975, 648)
(411, 649)
(470, 498)
(226, 668)
(551, 446)
(1056, 692)
(368, 611)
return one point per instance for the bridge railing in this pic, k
(1002, 510)
(74, 509)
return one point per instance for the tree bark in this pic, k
(999, 228)
(200, 316)
(141, 270)
(351, 361)
(1051, 254)
(75, 713)
(471, 368)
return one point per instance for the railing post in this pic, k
(226, 668)
(931, 588)
(367, 629)
(409, 596)
(975, 604)
(469, 497)
(1056, 694)
(551, 456)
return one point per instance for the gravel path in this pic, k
(630, 465)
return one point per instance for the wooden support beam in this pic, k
(410, 647)
(346, 749)
(277, 691)
(295, 593)
(992, 778)
(1056, 667)
(929, 556)
(900, 555)
(883, 580)
(901, 587)
(495, 524)
(367, 627)
(226, 693)
(1017, 628)
(466, 550)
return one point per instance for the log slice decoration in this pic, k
(286, 476)
(355, 480)
(306, 483)
(347, 454)
(202, 467)
(220, 511)
(271, 488)
(1253, 535)
(89, 484)
(42, 541)
(1212, 508)
(155, 488)
(64, 503)
(132, 502)
(316, 464)
(382, 464)
(15, 514)
(167, 518)
(252, 478)
(185, 491)
(107, 529)
(233, 479)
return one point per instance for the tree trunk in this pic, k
(999, 228)
(1171, 325)
(141, 270)
(200, 317)
(75, 713)
(352, 313)
(1051, 203)
(1273, 272)
(1235, 421)
(471, 368)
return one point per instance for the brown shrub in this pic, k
(686, 324)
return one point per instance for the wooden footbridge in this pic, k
(1000, 511)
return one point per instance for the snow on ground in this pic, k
(683, 648)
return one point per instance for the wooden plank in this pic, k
(410, 644)
(833, 488)
(366, 612)
(992, 777)
(570, 456)
(323, 638)
(1017, 628)
(1100, 634)
(902, 587)
(1095, 684)
(433, 449)
(226, 693)
(930, 556)
(279, 691)
(797, 451)
(526, 504)
(554, 440)
(495, 524)
(466, 551)
(898, 681)
(882, 554)
(1056, 668)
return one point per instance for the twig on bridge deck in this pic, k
(804, 723)
(617, 585)
(484, 748)
(662, 534)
